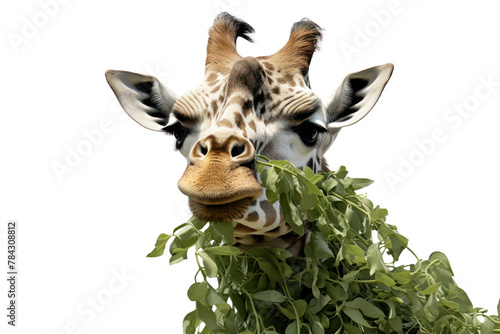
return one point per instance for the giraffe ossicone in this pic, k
(247, 106)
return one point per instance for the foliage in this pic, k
(343, 284)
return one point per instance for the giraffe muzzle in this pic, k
(220, 180)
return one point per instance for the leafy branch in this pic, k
(345, 282)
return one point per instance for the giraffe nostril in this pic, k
(203, 150)
(237, 150)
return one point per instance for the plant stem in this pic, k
(491, 319)
(257, 318)
(199, 266)
(287, 293)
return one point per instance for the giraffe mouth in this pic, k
(219, 193)
(220, 212)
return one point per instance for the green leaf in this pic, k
(358, 183)
(397, 244)
(292, 214)
(392, 307)
(329, 184)
(190, 323)
(431, 308)
(401, 277)
(366, 307)
(318, 249)
(443, 258)
(308, 201)
(269, 269)
(207, 316)
(226, 229)
(300, 306)
(379, 213)
(318, 327)
(187, 235)
(270, 296)
(396, 324)
(384, 279)
(179, 256)
(284, 183)
(451, 305)
(431, 289)
(239, 304)
(336, 292)
(487, 327)
(161, 242)
(353, 254)
(394, 241)
(384, 231)
(415, 301)
(341, 172)
(204, 239)
(286, 269)
(460, 297)
(442, 275)
(292, 328)
(356, 316)
(350, 329)
(214, 299)
(375, 259)
(223, 250)
(198, 291)
(271, 196)
(197, 223)
(308, 172)
(317, 304)
(352, 218)
(269, 178)
(286, 312)
(311, 178)
(209, 264)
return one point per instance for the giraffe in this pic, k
(247, 106)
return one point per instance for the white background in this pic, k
(104, 216)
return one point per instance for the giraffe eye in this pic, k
(308, 132)
(179, 132)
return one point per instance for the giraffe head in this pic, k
(247, 106)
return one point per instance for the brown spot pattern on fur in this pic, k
(216, 89)
(211, 79)
(270, 213)
(224, 122)
(268, 65)
(236, 100)
(246, 108)
(242, 229)
(252, 125)
(215, 105)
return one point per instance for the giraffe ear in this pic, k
(357, 95)
(143, 97)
